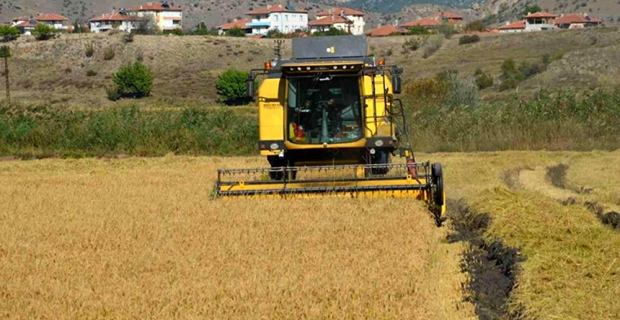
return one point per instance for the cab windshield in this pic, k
(324, 108)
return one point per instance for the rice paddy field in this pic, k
(140, 238)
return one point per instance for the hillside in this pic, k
(185, 68)
(505, 10)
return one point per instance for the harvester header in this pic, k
(330, 124)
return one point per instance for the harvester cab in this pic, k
(329, 124)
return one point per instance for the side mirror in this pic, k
(396, 83)
(250, 86)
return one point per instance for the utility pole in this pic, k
(5, 52)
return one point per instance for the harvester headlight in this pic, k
(274, 146)
(281, 154)
(335, 67)
(373, 151)
(308, 68)
(379, 143)
(298, 68)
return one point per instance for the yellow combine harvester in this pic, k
(330, 125)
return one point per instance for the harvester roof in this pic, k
(329, 48)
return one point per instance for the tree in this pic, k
(532, 9)
(5, 53)
(417, 30)
(447, 30)
(8, 33)
(235, 32)
(78, 27)
(231, 87)
(477, 25)
(133, 80)
(330, 32)
(44, 32)
(146, 25)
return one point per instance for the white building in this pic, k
(24, 24)
(515, 27)
(539, 21)
(27, 24)
(283, 19)
(342, 18)
(166, 15)
(116, 20)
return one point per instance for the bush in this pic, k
(469, 39)
(447, 30)
(477, 25)
(44, 32)
(418, 30)
(146, 25)
(133, 80)
(109, 54)
(89, 49)
(231, 87)
(483, 80)
(113, 92)
(235, 32)
(176, 32)
(412, 44)
(8, 33)
(91, 73)
(331, 32)
(128, 37)
(432, 45)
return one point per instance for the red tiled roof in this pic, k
(329, 21)
(114, 17)
(513, 26)
(383, 31)
(235, 24)
(22, 18)
(50, 17)
(336, 11)
(449, 15)
(540, 15)
(272, 9)
(24, 24)
(576, 18)
(424, 22)
(154, 7)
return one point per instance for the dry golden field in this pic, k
(140, 239)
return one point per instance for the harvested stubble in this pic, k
(138, 238)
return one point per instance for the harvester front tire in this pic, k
(437, 176)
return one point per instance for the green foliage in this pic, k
(89, 49)
(128, 37)
(5, 52)
(109, 53)
(235, 32)
(114, 94)
(418, 30)
(176, 32)
(476, 25)
(412, 44)
(432, 44)
(231, 86)
(134, 80)
(274, 34)
(43, 131)
(78, 27)
(532, 9)
(513, 75)
(91, 73)
(466, 39)
(330, 32)
(447, 30)
(146, 25)
(44, 32)
(8, 33)
(483, 80)
(560, 121)
(202, 30)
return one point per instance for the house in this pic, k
(539, 21)
(576, 21)
(24, 24)
(325, 23)
(116, 20)
(434, 21)
(514, 27)
(284, 19)
(166, 15)
(242, 24)
(356, 18)
(382, 31)
(53, 20)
